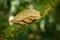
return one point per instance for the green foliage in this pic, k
(10, 32)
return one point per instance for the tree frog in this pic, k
(26, 16)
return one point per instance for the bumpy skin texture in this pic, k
(26, 16)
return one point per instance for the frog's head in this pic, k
(36, 15)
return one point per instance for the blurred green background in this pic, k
(47, 28)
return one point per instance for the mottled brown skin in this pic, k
(26, 16)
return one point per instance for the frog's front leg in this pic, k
(22, 23)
